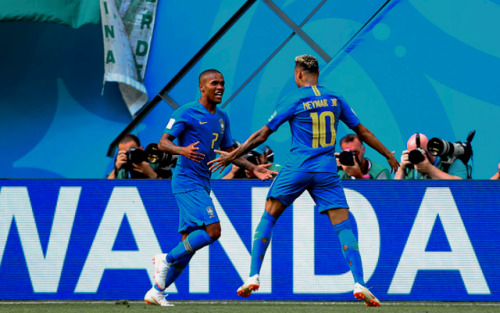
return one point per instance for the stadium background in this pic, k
(427, 66)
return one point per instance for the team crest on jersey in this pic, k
(221, 122)
(210, 211)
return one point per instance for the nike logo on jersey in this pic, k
(201, 123)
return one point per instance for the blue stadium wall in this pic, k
(94, 239)
(426, 66)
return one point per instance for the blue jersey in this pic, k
(313, 113)
(190, 123)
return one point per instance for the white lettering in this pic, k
(438, 202)
(44, 271)
(304, 278)
(124, 202)
(235, 249)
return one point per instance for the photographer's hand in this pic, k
(145, 169)
(405, 159)
(405, 162)
(425, 166)
(339, 165)
(120, 161)
(354, 170)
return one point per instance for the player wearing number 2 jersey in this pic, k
(313, 113)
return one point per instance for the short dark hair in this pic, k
(307, 63)
(208, 72)
(350, 138)
(129, 137)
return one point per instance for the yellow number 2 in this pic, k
(319, 126)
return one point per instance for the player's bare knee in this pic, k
(214, 231)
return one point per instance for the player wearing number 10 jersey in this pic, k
(313, 113)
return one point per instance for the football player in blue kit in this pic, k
(313, 113)
(200, 128)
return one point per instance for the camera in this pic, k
(443, 148)
(347, 158)
(252, 157)
(135, 155)
(416, 155)
(155, 155)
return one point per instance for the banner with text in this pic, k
(94, 239)
(127, 31)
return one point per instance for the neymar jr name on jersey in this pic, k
(318, 103)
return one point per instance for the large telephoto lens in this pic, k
(437, 146)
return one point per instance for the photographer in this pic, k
(352, 164)
(418, 163)
(132, 161)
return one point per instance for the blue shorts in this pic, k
(196, 209)
(325, 189)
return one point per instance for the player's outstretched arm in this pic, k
(367, 136)
(253, 141)
(260, 171)
(166, 145)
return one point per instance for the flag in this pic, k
(127, 32)
(72, 13)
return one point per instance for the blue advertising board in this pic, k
(94, 239)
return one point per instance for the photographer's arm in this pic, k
(166, 145)
(120, 161)
(367, 136)
(426, 167)
(405, 162)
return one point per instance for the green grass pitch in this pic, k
(244, 306)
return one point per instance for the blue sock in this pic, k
(261, 241)
(175, 271)
(350, 250)
(193, 242)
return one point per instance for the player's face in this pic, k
(212, 87)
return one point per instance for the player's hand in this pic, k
(262, 172)
(393, 162)
(221, 162)
(191, 153)
(121, 160)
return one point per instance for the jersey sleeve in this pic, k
(283, 112)
(347, 115)
(177, 123)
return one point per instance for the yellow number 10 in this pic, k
(319, 126)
